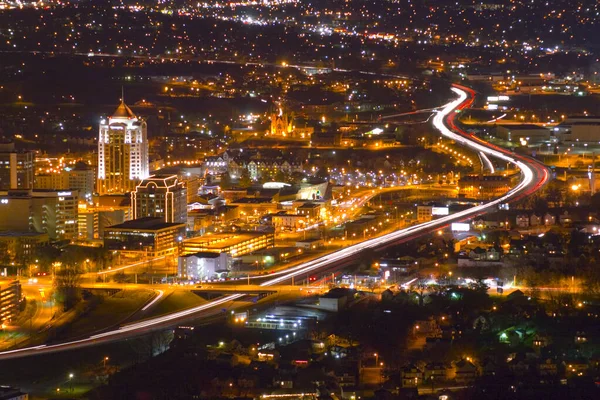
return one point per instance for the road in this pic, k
(534, 176)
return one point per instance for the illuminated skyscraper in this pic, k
(122, 152)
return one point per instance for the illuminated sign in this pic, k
(64, 193)
(460, 227)
(498, 98)
(439, 211)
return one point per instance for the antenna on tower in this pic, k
(122, 95)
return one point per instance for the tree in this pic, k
(67, 286)
(280, 176)
(153, 344)
(245, 180)
(225, 181)
(322, 173)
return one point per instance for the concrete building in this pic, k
(21, 247)
(582, 128)
(236, 244)
(80, 178)
(336, 299)
(252, 208)
(10, 299)
(203, 265)
(312, 211)
(45, 211)
(122, 152)
(310, 244)
(93, 220)
(162, 196)
(50, 181)
(485, 186)
(16, 167)
(288, 221)
(10, 393)
(144, 237)
(524, 134)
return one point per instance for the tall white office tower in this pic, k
(122, 152)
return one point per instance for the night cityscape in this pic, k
(300, 199)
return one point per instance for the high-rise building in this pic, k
(16, 167)
(122, 152)
(80, 178)
(162, 196)
(45, 211)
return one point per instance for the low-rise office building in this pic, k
(203, 265)
(11, 393)
(145, 237)
(524, 134)
(92, 220)
(21, 247)
(235, 244)
(485, 186)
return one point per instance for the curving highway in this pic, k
(534, 176)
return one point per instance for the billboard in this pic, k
(439, 211)
(460, 227)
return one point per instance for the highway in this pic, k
(534, 176)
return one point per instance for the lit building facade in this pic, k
(16, 167)
(235, 244)
(161, 196)
(10, 298)
(45, 211)
(144, 237)
(203, 265)
(80, 179)
(122, 152)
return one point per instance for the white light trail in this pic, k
(160, 294)
(330, 259)
(487, 162)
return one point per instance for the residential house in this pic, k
(540, 340)
(465, 371)
(575, 367)
(523, 221)
(549, 219)
(547, 367)
(411, 376)
(565, 219)
(439, 371)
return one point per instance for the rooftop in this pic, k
(7, 392)
(123, 112)
(159, 180)
(146, 223)
(203, 254)
(524, 127)
(253, 200)
(21, 234)
(222, 240)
